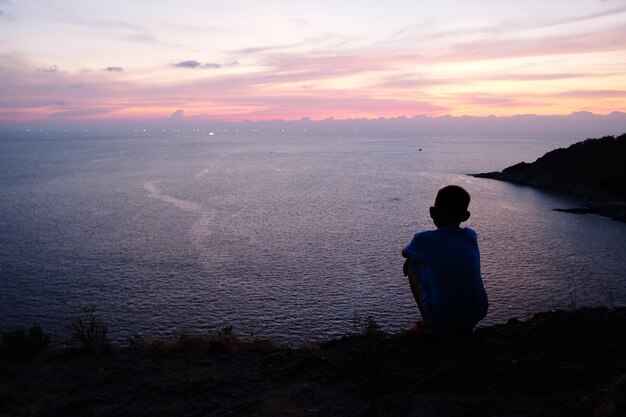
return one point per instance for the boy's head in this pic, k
(450, 207)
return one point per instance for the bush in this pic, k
(88, 330)
(365, 326)
(22, 344)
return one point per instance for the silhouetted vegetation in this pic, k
(365, 325)
(89, 331)
(225, 340)
(22, 344)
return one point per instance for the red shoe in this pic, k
(421, 327)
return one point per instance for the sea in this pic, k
(291, 235)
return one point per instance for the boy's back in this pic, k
(445, 267)
(448, 267)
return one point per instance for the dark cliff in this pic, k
(594, 169)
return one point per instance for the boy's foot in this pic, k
(421, 327)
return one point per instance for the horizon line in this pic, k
(174, 118)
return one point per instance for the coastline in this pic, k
(556, 363)
(592, 169)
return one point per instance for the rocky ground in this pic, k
(555, 364)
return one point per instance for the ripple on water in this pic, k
(284, 237)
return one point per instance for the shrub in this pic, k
(187, 340)
(365, 326)
(88, 330)
(21, 344)
(227, 339)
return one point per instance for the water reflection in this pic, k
(284, 236)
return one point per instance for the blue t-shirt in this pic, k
(453, 295)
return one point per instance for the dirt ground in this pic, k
(555, 364)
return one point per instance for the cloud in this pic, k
(77, 113)
(6, 16)
(401, 32)
(264, 48)
(177, 115)
(21, 103)
(298, 22)
(51, 68)
(326, 65)
(420, 32)
(327, 41)
(544, 76)
(317, 78)
(578, 19)
(188, 64)
(593, 93)
(129, 32)
(341, 106)
(404, 82)
(490, 100)
(195, 64)
(609, 39)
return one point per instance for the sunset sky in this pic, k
(68, 60)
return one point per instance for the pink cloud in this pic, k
(492, 100)
(612, 39)
(77, 114)
(289, 86)
(593, 94)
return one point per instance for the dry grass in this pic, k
(224, 340)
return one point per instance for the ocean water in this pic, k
(283, 234)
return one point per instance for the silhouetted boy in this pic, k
(443, 267)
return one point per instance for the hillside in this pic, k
(561, 363)
(594, 169)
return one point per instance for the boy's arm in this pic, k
(410, 259)
(411, 247)
(408, 263)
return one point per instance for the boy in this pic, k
(443, 267)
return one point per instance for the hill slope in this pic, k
(594, 169)
(562, 363)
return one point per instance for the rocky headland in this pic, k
(594, 170)
(559, 363)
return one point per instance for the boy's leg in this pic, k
(416, 289)
(421, 326)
